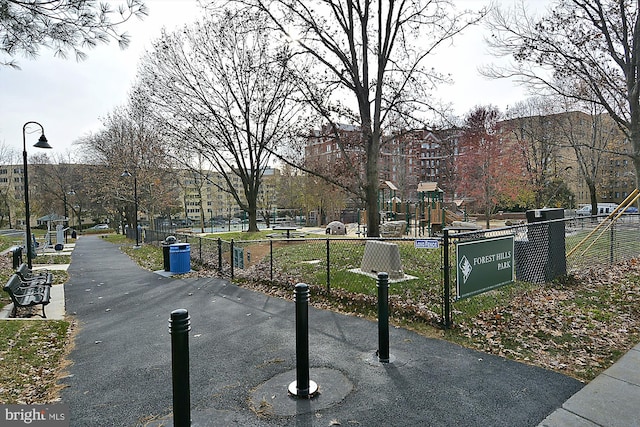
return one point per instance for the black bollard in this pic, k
(302, 386)
(179, 327)
(383, 317)
(447, 274)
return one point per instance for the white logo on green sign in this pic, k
(465, 268)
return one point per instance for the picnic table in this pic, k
(286, 228)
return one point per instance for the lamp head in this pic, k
(42, 142)
(125, 174)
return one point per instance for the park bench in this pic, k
(27, 294)
(43, 277)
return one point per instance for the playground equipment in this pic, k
(432, 215)
(55, 229)
(429, 214)
(387, 199)
(431, 208)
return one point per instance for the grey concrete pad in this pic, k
(563, 418)
(607, 402)
(168, 273)
(627, 368)
(56, 267)
(54, 310)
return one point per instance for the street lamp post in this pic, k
(135, 202)
(42, 143)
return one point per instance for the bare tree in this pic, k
(128, 143)
(586, 50)
(25, 26)
(592, 137)
(54, 178)
(194, 178)
(534, 128)
(367, 66)
(223, 89)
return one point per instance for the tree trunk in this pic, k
(201, 216)
(635, 144)
(253, 221)
(252, 212)
(593, 197)
(372, 186)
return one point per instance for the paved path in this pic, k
(242, 355)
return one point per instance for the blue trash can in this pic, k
(179, 258)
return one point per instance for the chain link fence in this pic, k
(542, 251)
(596, 241)
(548, 249)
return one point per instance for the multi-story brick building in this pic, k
(550, 145)
(406, 158)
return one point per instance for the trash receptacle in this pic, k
(547, 246)
(166, 256)
(166, 246)
(179, 258)
(16, 254)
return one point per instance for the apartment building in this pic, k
(206, 201)
(551, 144)
(564, 147)
(12, 195)
(406, 158)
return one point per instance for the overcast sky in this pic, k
(68, 98)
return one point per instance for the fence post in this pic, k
(328, 269)
(219, 255)
(302, 386)
(179, 327)
(231, 254)
(447, 272)
(271, 260)
(383, 317)
(611, 257)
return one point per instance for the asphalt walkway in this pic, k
(242, 360)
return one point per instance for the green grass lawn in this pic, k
(31, 355)
(31, 351)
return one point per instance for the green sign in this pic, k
(238, 257)
(483, 265)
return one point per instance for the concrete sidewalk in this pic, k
(610, 400)
(242, 359)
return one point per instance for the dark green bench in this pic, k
(42, 277)
(25, 294)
